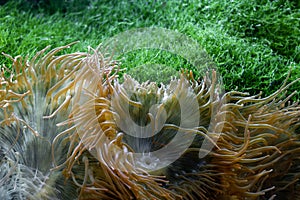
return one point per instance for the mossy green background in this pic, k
(253, 43)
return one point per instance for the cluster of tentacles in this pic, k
(70, 130)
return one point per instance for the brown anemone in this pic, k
(100, 136)
(34, 98)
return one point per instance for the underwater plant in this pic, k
(71, 130)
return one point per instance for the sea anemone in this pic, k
(70, 129)
(33, 100)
